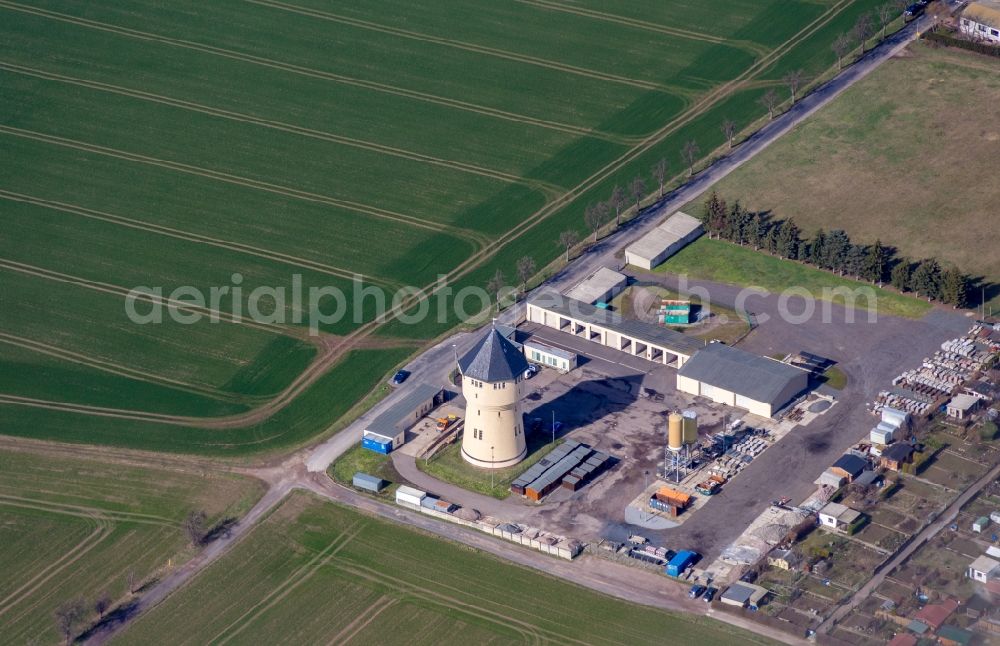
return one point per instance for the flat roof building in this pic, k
(962, 405)
(389, 428)
(668, 238)
(744, 595)
(838, 517)
(727, 375)
(637, 338)
(601, 286)
(547, 355)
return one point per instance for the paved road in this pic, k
(946, 518)
(304, 469)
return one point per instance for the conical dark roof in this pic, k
(494, 358)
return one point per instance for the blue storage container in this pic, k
(372, 444)
(680, 562)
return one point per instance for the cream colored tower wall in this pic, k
(493, 418)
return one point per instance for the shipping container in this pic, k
(680, 562)
(372, 444)
(410, 496)
(368, 482)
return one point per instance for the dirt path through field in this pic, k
(101, 531)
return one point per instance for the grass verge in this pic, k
(448, 465)
(725, 262)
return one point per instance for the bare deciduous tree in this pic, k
(525, 270)
(617, 201)
(729, 130)
(101, 604)
(885, 15)
(689, 153)
(659, 171)
(567, 239)
(840, 47)
(862, 30)
(496, 285)
(794, 81)
(593, 218)
(637, 188)
(67, 616)
(194, 527)
(770, 101)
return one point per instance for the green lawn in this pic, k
(725, 262)
(358, 458)
(72, 527)
(314, 572)
(449, 466)
(835, 378)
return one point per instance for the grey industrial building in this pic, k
(730, 376)
(638, 338)
(664, 241)
(389, 428)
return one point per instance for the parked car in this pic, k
(913, 11)
(400, 377)
(532, 370)
(710, 594)
(696, 591)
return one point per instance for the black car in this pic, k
(696, 591)
(400, 377)
(914, 10)
(710, 594)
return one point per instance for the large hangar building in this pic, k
(730, 376)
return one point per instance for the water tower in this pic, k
(492, 372)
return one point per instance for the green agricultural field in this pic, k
(73, 527)
(726, 262)
(313, 572)
(265, 144)
(908, 155)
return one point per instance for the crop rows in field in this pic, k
(74, 527)
(181, 144)
(314, 572)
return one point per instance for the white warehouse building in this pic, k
(650, 250)
(737, 378)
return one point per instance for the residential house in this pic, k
(896, 455)
(840, 518)
(981, 21)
